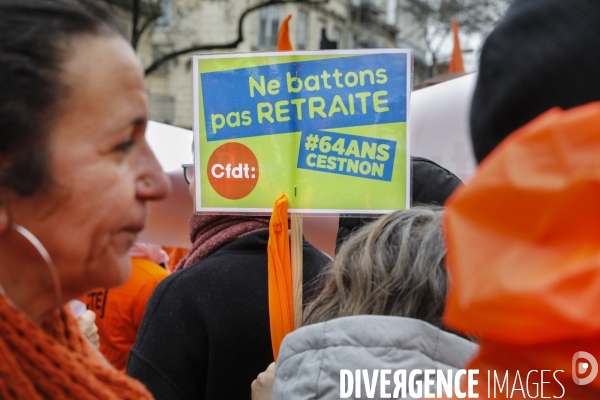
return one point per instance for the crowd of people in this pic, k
(498, 275)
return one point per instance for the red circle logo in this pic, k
(233, 170)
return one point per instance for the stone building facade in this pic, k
(352, 24)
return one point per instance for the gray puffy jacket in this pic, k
(311, 358)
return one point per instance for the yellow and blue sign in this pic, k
(328, 129)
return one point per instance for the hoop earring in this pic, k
(46, 256)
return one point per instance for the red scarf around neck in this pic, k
(209, 233)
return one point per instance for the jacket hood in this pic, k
(524, 235)
(311, 357)
(524, 246)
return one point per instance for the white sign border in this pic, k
(245, 211)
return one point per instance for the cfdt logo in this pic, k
(233, 170)
(585, 368)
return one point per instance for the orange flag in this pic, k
(456, 62)
(283, 42)
(281, 313)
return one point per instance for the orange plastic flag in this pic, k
(281, 313)
(523, 252)
(456, 62)
(283, 42)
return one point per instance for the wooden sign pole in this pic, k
(296, 250)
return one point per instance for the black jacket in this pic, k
(205, 332)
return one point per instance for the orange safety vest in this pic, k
(175, 255)
(119, 311)
(524, 259)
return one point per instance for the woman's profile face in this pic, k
(100, 164)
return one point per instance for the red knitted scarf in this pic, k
(211, 232)
(55, 361)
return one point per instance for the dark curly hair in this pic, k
(34, 44)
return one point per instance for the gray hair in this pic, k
(392, 266)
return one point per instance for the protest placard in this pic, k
(328, 129)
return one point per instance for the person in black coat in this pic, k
(206, 330)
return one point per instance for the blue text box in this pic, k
(363, 86)
(352, 155)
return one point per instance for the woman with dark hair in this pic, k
(380, 307)
(75, 176)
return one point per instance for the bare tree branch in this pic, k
(153, 14)
(442, 39)
(436, 17)
(231, 45)
(135, 15)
